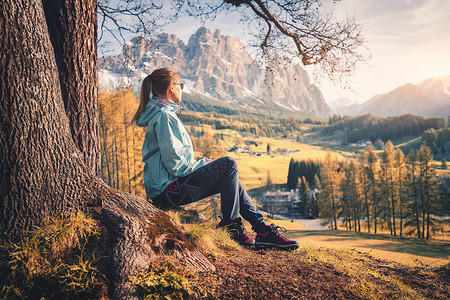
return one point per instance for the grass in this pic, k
(50, 261)
(409, 251)
(253, 170)
(169, 280)
(204, 234)
(366, 282)
(165, 281)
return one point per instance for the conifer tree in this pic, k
(292, 178)
(303, 192)
(427, 188)
(412, 185)
(387, 185)
(314, 200)
(328, 196)
(399, 163)
(356, 193)
(365, 185)
(346, 198)
(372, 167)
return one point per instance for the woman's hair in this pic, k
(156, 83)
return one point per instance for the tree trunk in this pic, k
(393, 206)
(72, 26)
(400, 198)
(125, 123)
(334, 209)
(105, 158)
(43, 170)
(374, 202)
(416, 204)
(134, 161)
(116, 153)
(366, 197)
(137, 235)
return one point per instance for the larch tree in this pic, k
(49, 125)
(427, 189)
(303, 192)
(412, 188)
(365, 185)
(347, 197)
(399, 163)
(371, 170)
(387, 185)
(328, 204)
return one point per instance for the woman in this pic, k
(172, 176)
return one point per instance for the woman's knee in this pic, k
(230, 162)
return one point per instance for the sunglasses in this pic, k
(181, 85)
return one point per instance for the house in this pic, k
(279, 202)
(236, 148)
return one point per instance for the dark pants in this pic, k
(219, 176)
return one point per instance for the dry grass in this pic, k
(50, 262)
(167, 280)
(253, 170)
(367, 282)
(408, 251)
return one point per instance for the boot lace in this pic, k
(275, 228)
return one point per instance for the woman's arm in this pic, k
(175, 146)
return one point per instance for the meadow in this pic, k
(407, 250)
(253, 171)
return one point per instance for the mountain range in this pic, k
(431, 98)
(219, 70)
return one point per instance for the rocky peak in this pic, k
(220, 67)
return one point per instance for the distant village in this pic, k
(287, 202)
(249, 150)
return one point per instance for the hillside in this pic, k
(38, 268)
(311, 272)
(321, 274)
(431, 98)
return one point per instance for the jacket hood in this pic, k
(155, 105)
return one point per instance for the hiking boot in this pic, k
(272, 239)
(236, 231)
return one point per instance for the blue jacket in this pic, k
(167, 150)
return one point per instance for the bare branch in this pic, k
(286, 29)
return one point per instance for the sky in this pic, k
(409, 41)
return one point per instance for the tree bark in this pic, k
(72, 27)
(137, 235)
(44, 172)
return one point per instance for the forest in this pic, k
(401, 194)
(438, 141)
(368, 127)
